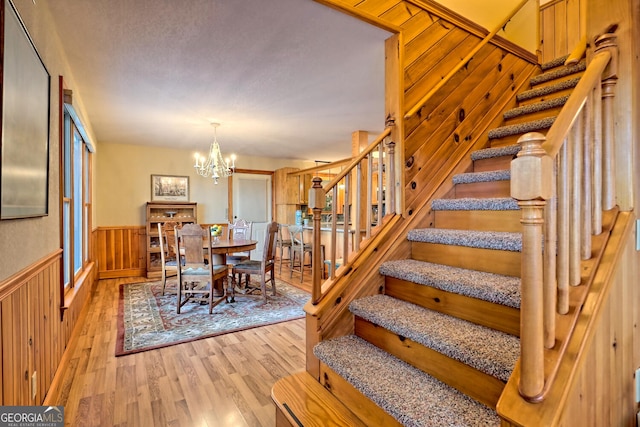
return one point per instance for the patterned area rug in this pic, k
(147, 320)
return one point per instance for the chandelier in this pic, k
(215, 166)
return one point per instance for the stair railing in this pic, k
(352, 193)
(413, 110)
(562, 183)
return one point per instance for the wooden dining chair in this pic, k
(197, 276)
(263, 267)
(168, 258)
(281, 244)
(299, 249)
(240, 229)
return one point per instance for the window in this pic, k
(76, 198)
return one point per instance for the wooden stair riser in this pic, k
(530, 117)
(505, 141)
(483, 190)
(488, 260)
(542, 98)
(300, 399)
(557, 80)
(479, 220)
(495, 316)
(493, 164)
(360, 405)
(477, 385)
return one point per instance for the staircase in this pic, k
(438, 346)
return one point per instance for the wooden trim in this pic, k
(361, 15)
(253, 171)
(551, 3)
(12, 283)
(323, 167)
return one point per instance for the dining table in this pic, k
(220, 248)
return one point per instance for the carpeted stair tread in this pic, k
(493, 352)
(547, 90)
(490, 287)
(558, 73)
(493, 152)
(488, 176)
(473, 204)
(521, 128)
(535, 108)
(554, 63)
(408, 394)
(497, 240)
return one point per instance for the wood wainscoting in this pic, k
(34, 331)
(121, 252)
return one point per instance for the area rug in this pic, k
(148, 320)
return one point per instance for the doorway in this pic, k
(251, 197)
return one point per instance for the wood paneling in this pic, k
(121, 251)
(560, 28)
(33, 334)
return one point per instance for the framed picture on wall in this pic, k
(24, 168)
(169, 188)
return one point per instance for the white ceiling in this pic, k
(285, 78)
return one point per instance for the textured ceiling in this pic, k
(285, 78)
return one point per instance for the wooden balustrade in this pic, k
(568, 175)
(358, 204)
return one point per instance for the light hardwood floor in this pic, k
(219, 381)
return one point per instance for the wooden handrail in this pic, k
(563, 123)
(462, 63)
(358, 159)
(578, 52)
(322, 167)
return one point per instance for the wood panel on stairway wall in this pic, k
(121, 251)
(560, 27)
(612, 352)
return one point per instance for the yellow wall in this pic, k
(521, 30)
(123, 181)
(25, 241)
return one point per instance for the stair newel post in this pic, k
(532, 185)
(316, 203)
